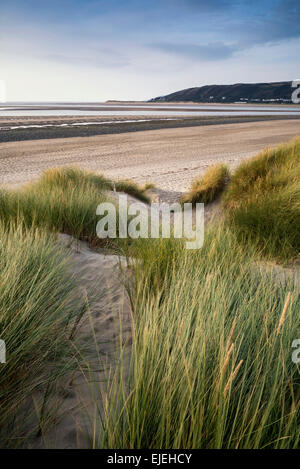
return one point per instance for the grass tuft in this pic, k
(208, 367)
(73, 177)
(38, 305)
(208, 187)
(63, 200)
(263, 201)
(133, 189)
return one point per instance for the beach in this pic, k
(37, 128)
(169, 158)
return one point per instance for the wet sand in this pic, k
(19, 128)
(169, 158)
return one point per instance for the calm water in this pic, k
(153, 109)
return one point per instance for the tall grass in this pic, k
(38, 298)
(77, 178)
(38, 305)
(62, 200)
(68, 210)
(263, 201)
(211, 358)
(207, 188)
(211, 362)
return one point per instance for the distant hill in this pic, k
(240, 92)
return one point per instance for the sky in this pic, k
(96, 50)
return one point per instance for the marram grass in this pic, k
(262, 201)
(211, 358)
(207, 188)
(63, 200)
(74, 177)
(39, 305)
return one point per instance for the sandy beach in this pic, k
(169, 158)
(21, 128)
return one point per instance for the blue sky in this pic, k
(97, 50)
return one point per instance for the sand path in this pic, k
(170, 158)
(101, 281)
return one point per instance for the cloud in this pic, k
(136, 49)
(98, 59)
(269, 24)
(207, 52)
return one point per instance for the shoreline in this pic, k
(52, 127)
(58, 104)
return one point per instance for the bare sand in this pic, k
(169, 158)
(100, 277)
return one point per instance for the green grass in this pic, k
(73, 177)
(69, 210)
(133, 189)
(211, 358)
(38, 306)
(63, 200)
(263, 201)
(36, 287)
(211, 353)
(208, 187)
